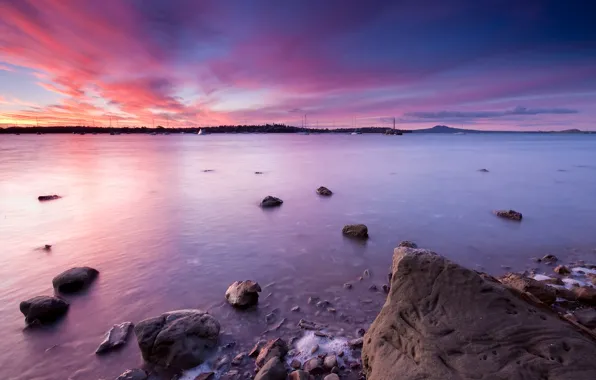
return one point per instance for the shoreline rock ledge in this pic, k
(179, 339)
(443, 321)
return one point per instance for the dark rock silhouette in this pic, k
(43, 198)
(270, 201)
(324, 191)
(43, 309)
(359, 231)
(509, 214)
(114, 338)
(74, 279)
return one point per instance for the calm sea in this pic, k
(166, 235)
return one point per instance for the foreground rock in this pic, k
(408, 244)
(74, 279)
(133, 374)
(538, 289)
(509, 214)
(43, 198)
(275, 348)
(243, 294)
(270, 201)
(114, 338)
(443, 321)
(43, 309)
(359, 231)
(178, 339)
(324, 191)
(274, 369)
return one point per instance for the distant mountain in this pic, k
(445, 129)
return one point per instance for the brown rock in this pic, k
(329, 362)
(565, 294)
(274, 369)
(295, 364)
(359, 231)
(538, 289)
(43, 198)
(356, 343)
(243, 294)
(562, 270)
(509, 214)
(586, 295)
(274, 348)
(442, 321)
(238, 359)
(298, 375)
(254, 352)
(314, 366)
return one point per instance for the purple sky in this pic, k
(498, 65)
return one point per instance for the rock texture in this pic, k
(274, 369)
(324, 191)
(133, 374)
(298, 375)
(586, 295)
(178, 339)
(509, 214)
(116, 337)
(408, 244)
(270, 201)
(43, 309)
(359, 231)
(442, 321)
(74, 279)
(275, 348)
(538, 289)
(243, 294)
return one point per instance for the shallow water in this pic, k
(166, 235)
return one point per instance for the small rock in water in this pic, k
(509, 214)
(389, 276)
(47, 247)
(408, 244)
(373, 288)
(586, 295)
(116, 337)
(347, 285)
(274, 369)
(329, 362)
(277, 348)
(360, 332)
(335, 369)
(135, 374)
(360, 278)
(324, 191)
(549, 259)
(366, 273)
(314, 349)
(386, 288)
(43, 198)
(43, 309)
(243, 294)
(270, 201)
(356, 343)
(323, 304)
(229, 345)
(222, 362)
(296, 308)
(208, 171)
(295, 364)
(483, 170)
(354, 365)
(341, 354)
(74, 279)
(359, 231)
(562, 270)
(238, 359)
(258, 172)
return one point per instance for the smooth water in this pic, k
(166, 235)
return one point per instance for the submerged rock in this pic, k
(43, 198)
(243, 294)
(133, 374)
(548, 259)
(116, 337)
(562, 270)
(270, 201)
(324, 191)
(407, 243)
(274, 369)
(178, 339)
(275, 348)
(483, 170)
(443, 321)
(509, 214)
(359, 231)
(43, 309)
(74, 279)
(538, 289)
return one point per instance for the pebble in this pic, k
(295, 364)
(347, 285)
(331, 310)
(366, 273)
(360, 332)
(296, 308)
(330, 362)
(314, 349)
(373, 288)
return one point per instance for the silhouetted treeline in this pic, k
(267, 128)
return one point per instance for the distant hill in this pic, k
(445, 129)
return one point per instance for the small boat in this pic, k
(200, 132)
(356, 133)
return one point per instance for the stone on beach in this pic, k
(270, 201)
(538, 289)
(179, 339)
(298, 375)
(562, 270)
(548, 259)
(116, 337)
(74, 279)
(314, 366)
(274, 369)
(275, 348)
(359, 231)
(52, 197)
(243, 294)
(43, 309)
(329, 362)
(205, 376)
(443, 321)
(585, 295)
(586, 317)
(133, 374)
(509, 214)
(324, 191)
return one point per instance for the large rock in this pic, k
(178, 339)
(133, 374)
(243, 294)
(270, 201)
(359, 231)
(274, 369)
(74, 279)
(538, 289)
(586, 295)
(275, 348)
(114, 338)
(442, 321)
(43, 309)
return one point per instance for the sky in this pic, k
(493, 65)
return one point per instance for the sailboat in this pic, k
(200, 132)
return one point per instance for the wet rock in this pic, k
(313, 300)
(335, 369)
(269, 318)
(222, 362)
(43, 198)
(366, 273)
(359, 231)
(295, 364)
(273, 369)
(275, 348)
(314, 366)
(386, 288)
(565, 294)
(314, 349)
(296, 308)
(178, 339)
(258, 172)
(410, 337)
(538, 289)
(243, 294)
(324, 191)
(373, 288)
(74, 279)
(47, 247)
(298, 375)
(347, 285)
(586, 317)
(116, 337)
(43, 309)
(238, 359)
(254, 352)
(360, 332)
(407, 243)
(509, 214)
(562, 270)
(354, 365)
(329, 362)
(270, 201)
(356, 343)
(480, 170)
(133, 374)
(586, 295)
(206, 376)
(549, 259)
(551, 280)
(331, 310)
(229, 345)
(331, 376)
